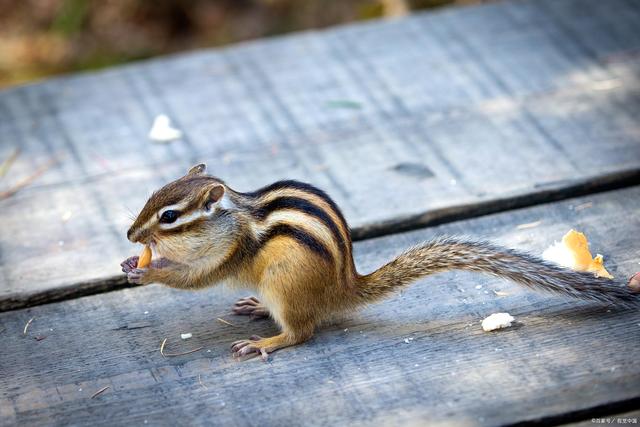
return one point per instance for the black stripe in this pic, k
(303, 187)
(297, 234)
(301, 205)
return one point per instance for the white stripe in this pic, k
(306, 222)
(185, 219)
(176, 207)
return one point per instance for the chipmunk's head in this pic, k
(187, 219)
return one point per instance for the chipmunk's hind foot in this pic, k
(250, 306)
(258, 346)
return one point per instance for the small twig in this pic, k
(175, 354)
(24, 332)
(40, 337)
(528, 225)
(100, 391)
(224, 321)
(4, 167)
(28, 180)
(583, 206)
(200, 381)
(183, 353)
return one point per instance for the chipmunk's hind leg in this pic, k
(295, 330)
(250, 306)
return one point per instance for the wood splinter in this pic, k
(219, 319)
(102, 390)
(164, 341)
(24, 331)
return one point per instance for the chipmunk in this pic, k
(290, 243)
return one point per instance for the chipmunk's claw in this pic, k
(250, 347)
(250, 306)
(129, 264)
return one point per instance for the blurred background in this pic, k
(40, 38)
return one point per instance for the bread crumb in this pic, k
(186, 336)
(573, 252)
(162, 131)
(497, 321)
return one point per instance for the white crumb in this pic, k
(185, 336)
(162, 131)
(558, 253)
(478, 286)
(497, 321)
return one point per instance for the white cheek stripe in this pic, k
(185, 219)
(225, 202)
(176, 207)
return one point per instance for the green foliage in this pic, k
(71, 17)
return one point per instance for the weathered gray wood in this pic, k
(404, 123)
(627, 418)
(419, 358)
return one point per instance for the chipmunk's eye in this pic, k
(169, 216)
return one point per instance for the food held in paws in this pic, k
(145, 257)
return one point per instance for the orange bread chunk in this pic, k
(573, 252)
(145, 257)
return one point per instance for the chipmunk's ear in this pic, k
(198, 169)
(212, 195)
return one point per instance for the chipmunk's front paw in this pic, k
(137, 276)
(129, 264)
(144, 276)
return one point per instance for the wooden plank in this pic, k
(406, 123)
(418, 358)
(632, 418)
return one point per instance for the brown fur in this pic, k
(301, 265)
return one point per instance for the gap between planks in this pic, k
(564, 190)
(606, 410)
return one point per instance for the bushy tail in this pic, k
(454, 254)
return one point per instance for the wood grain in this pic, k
(435, 117)
(632, 418)
(418, 358)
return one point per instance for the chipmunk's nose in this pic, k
(137, 235)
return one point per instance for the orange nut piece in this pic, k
(145, 257)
